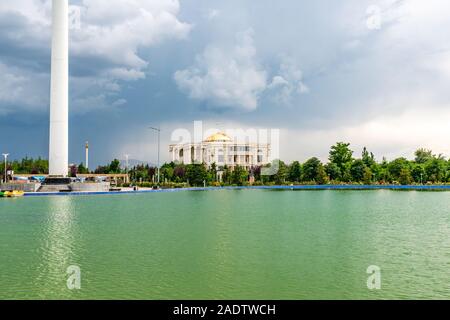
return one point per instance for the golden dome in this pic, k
(218, 137)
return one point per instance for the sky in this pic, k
(372, 73)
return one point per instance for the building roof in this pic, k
(218, 137)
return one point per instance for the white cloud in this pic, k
(116, 29)
(288, 84)
(226, 75)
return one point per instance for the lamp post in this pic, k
(159, 143)
(5, 155)
(126, 161)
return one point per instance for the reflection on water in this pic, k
(57, 243)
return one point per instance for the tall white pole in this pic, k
(127, 156)
(59, 95)
(159, 148)
(159, 143)
(6, 161)
(87, 155)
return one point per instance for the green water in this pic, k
(243, 244)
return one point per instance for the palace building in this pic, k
(220, 149)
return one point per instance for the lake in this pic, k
(227, 244)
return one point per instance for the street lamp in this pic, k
(126, 161)
(159, 143)
(6, 158)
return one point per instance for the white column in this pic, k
(59, 95)
(87, 155)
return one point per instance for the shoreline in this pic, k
(278, 187)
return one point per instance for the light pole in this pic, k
(126, 161)
(159, 143)
(6, 158)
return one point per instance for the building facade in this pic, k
(221, 150)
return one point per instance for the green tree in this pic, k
(239, 176)
(311, 169)
(395, 167)
(280, 176)
(423, 155)
(418, 173)
(357, 170)
(166, 171)
(114, 166)
(368, 158)
(333, 171)
(342, 156)
(226, 177)
(436, 170)
(295, 172)
(405, 177)
(82, 169)
(368, 176)
(321, 176)
(196, 174)
(212, 172)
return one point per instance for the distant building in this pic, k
(221, 150)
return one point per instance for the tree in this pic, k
(405, 176)
(256, 172)
(82, 169)
(152, 173)
(212, 172)
(226, 177)
(239, 176)
(321, 177)
(280, 176)
(295, 172)
(436, 170)
(196, 174)
(73, 171)
(166, 171)
(368, 176)
(395, 167)
(311, 169)
(418, 173)
(357, 170)
(114, 166)
(333, 171)
(342, 156)
(368, 158)
(179, 173)
(423, 155)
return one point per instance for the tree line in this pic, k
(342, 167)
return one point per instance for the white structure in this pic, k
(221, 150)
(59, 95)
(87, 154)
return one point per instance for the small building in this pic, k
(220, 149)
